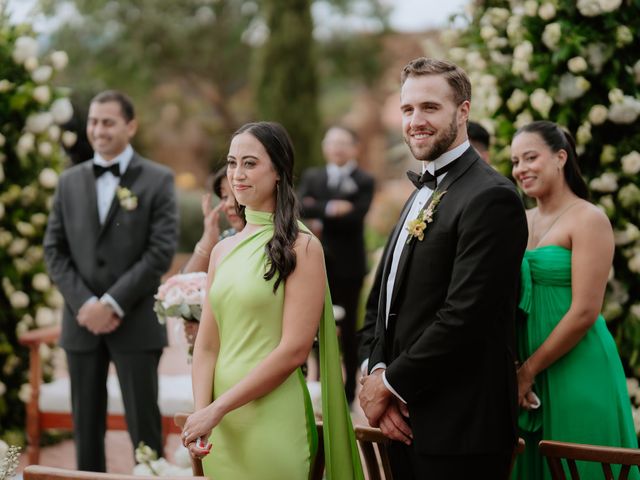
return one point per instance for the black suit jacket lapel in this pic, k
(462, 165)
(130, 175)
(91, 197)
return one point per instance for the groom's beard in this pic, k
(441, 142)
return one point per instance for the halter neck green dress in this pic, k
(273, 437)
(583, 395)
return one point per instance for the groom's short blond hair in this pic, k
(455, 76)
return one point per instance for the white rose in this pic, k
(551, 35)
(34, 254)
(59, 59)
(475, 61)
(457, 54)
(608, 154)
(24, 393)
(609, 5)
(31, 63)
(5, 237)
(28, 195)
(496, 44)
(21, 328)
(523, 51)
(25, 47)
(3, 446)
(25, 229)
(629, 196)
(21, 265)
(514, 28)
(39, 122)
(636, 71)
(44, 351)
(583, 135)
(45, 149)
(17, 246)
(45, 317)
(499, 58)
(597, 55)
(488, 32)
(607, 182)
(547, 11)
(523, 119)
(626, 112)
(69, 139)
(624, 36)
(571, 87)
(54, 298)
(39, 219)
(42, 74)
(541, 101)
(519, 67)
(598, 114)
(631, 163)
(516, 100)
(634, 263)
(62, 110)
(577, 65)
(635, 310)
(42, 94)
(19, 299)
(48, 178)
(41, 282)
(530, 8)
(54, 133)
(616, 95)
(5, 85)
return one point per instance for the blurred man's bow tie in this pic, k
(98, 170)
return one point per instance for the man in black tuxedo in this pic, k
(336, 199)
(439, 331)
(111, 234)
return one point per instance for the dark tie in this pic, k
(427, 179)
(98, 170)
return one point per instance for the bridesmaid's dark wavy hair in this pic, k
(558, 139)
(280, 253)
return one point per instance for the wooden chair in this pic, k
(371, 440)
(39, 472)
(50, 404)
(556, 452)
(520, 446)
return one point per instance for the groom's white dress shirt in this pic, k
(106, 186)
(419, 201)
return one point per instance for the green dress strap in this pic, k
(526, 286)
(342, 460)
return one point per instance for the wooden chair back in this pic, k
(556, 452)
(196, 463)
(373, 446)
(40, 472)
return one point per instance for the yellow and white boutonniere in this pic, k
(127, 199)
(417, 226)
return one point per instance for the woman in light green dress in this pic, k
(570, 360)
(267, 300)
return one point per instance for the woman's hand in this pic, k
(199, 426)
(525, 382)
(211, 216)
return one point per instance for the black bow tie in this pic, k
(98, 170)
(427, 179)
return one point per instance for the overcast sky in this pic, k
(406, 15)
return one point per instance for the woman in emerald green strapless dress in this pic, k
(564, 343)
(267, 298)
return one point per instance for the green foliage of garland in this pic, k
(32, 115)
(575, 62)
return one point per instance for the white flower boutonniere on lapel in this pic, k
(417, 226)
(127, 199)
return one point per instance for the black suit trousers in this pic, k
(138, 378)
(406, 464)
(346, 293)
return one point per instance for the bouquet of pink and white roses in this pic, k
(181, 296)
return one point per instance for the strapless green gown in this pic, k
(273, 437)
(583, 395)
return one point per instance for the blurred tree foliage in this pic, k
(197, 55)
